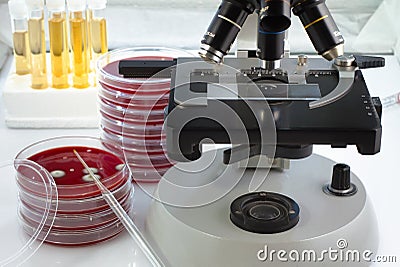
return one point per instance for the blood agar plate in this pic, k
(77, 237)
(56, 155)
(141, 145)
(18, 246)
(132, 109)
(140, 101)
(76, 221)
(82, 216)
(79, 206)
(137, 114)
(132, 129)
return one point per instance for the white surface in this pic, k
(378, 173)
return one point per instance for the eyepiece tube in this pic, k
(320, 27)
(224, 29)
(275, 15)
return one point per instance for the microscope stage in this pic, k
(201, 90)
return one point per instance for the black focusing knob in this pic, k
(264, 212)
(341, 184)
(341, 177)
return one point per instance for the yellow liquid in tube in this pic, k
(89, 17)
(21, 52)
(38, 53)
(59, 52)
(99, 36)
(99, 39)
(80, 55)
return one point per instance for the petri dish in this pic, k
(132, 130)
(136, 115)
(18, 245)
(108, 72)
(157, 162)
(75, 221)
(77, 237)
(148, 174)
(142, 145)
(56, 155)
(79, 206)
(82, 215)
(150, 121)
(125, 100)
(157, 89)
(116, 94)
(130, 106)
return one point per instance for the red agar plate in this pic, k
(72, 180)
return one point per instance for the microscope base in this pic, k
(332, 230)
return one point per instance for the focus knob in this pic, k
(340, 184)
(341, 177)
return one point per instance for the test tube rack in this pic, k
(48, 108)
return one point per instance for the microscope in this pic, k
(266, 199)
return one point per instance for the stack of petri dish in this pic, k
(80, 216)
(16, 246)
(132, 111)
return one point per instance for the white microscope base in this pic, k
(205, 236)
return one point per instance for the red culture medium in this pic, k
(82, 216)
(132, 112)
(72, 185)
(63, 158)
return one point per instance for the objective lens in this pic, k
(275, 15)
(274, 19)
(270, 45)
(223, 29)
(320, 27)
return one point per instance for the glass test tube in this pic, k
(89, 33)
(391, 100)
(79, 43)
(97, 31)
(19, 26)
(98, 28)
(59, 51)
(37, 44)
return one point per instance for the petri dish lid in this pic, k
(18, 246)
(107, 65)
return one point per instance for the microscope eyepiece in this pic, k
(320, 27)
(224, 28)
